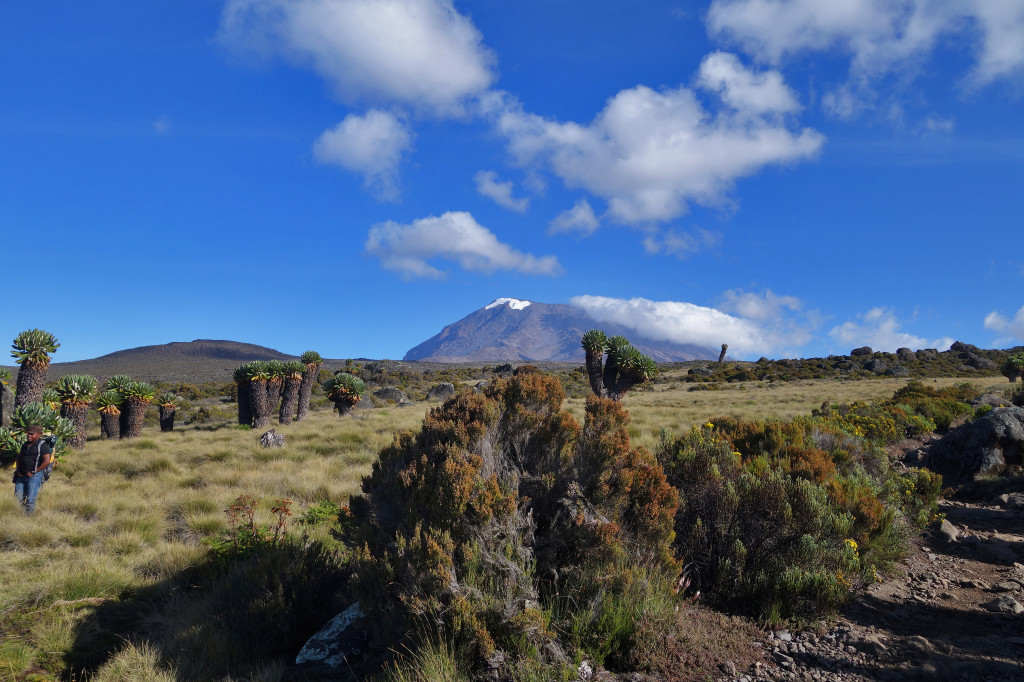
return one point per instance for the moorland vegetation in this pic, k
(604, 515)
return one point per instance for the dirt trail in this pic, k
(955, 613)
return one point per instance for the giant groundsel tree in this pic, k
(312, 361)
(31, 349)
(76, 392)
(622, 369)
(293, 373)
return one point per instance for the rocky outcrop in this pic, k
(983, 446)
(391, 393)
(861, 352)
(441, 391)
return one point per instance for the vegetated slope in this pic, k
(510, 330)
(199, 360)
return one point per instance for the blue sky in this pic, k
(794, 178)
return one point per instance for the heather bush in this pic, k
(512, 531)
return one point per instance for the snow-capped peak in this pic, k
(513, 303)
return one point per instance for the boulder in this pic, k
(391, 393)
(339, 646)
(701, 372)
(272, 439)
(441, 391)
(977, 362)
(927, 354)
(876, 366)
(991, 399)
(897, 371)
(905, 354)
(861, 352)
(983, 446)
(961, 347)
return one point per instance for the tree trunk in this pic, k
(123, 427)
(306, 389)
(135, 411)
(290, 400)
(594, 371)
(110, 425)
(167, 417)
(6, 405)
(273, 395)
(31, 381)
(345, 405)
(721, 355)
(244, 403)
(259, 403)
(76, 412)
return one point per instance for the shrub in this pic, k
(509, 527)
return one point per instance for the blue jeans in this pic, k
(26, 489)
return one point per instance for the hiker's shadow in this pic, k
(216, 619)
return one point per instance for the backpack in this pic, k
(51, 441)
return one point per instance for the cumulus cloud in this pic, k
(681, 322)
(880, 329)
(1009, 328)
(372, 144)
(879, 35)
(681, 244)
(454, 236)
(649, 153)
(501, 192)
(579, 219)
(420, 53)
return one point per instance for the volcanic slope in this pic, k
(511, 330)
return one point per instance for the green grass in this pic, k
(120, 525)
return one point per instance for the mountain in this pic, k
(510, 330)
(199, 360)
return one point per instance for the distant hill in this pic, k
(510, 330)
(199, 360)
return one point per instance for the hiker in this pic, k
(32, 460)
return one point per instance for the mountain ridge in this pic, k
(513, 330)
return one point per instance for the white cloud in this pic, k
(162, 125)
(681, 244)
(1011, 329)
(453, 236)
(421, 53)
(650, 153)
(580, 219)
(880, 329)
(764, 306)
(744, 90)
(881, 36)
(372, 144)
(501, 192)
(681, 322)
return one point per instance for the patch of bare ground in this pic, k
(954, 612)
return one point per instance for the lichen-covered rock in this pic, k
(272, 439)
(701, 372)
(983, 446)
(339, 646)
(441, 391)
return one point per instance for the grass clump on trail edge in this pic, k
(511, 538)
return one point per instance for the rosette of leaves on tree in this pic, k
(168, 403)
(120, 383)
(613, 365)
(31, 349)
(6, 397)
(311, 360)
(137, 397)
(75, 392)
(109, 405)
(292, 383)
(51, 398)
(345, 391)
(43, 416)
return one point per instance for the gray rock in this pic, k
(897, 371)
(391, 393)
(701, 372)
(991, 399)
(872, 645)
(343, 639)
(876, 366)
(948, 531)
(1006, 586)
(441, 391)
(272, 439)
(927, 354)
(905, 354)
(861, 352)
(982, 446)
(1013, 500)
(1003, 604)
(998, 550)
